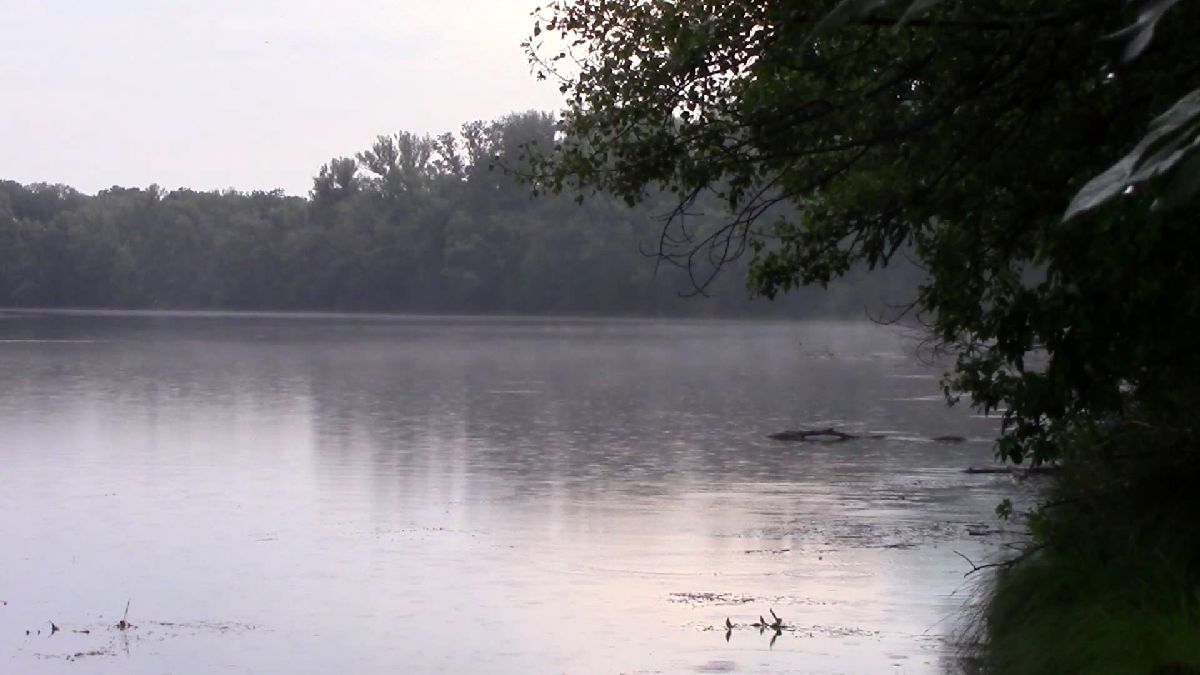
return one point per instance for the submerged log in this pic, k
(1011, 470)
(829, 435)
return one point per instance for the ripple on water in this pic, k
(717, 666)
(737, 599)
(702, 599)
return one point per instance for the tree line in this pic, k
(412, 224)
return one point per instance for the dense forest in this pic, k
(413, 224)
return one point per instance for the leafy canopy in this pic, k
(960, 133)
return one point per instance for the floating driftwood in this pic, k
(949, 439)
(1011, 470)
(829, 435)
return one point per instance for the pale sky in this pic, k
(249, 94)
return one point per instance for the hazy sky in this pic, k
(251, 94)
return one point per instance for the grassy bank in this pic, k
(1114, 584)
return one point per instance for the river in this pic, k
(371, 494)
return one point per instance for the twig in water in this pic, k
(124, 624)
(1006, 564)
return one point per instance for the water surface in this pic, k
(317, 494)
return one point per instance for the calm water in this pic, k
(380, 495)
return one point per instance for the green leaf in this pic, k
(1165, 155)
(1004, 509)
(1183, 185)
(1169, 140)
(1102, 188)
(1141, 32)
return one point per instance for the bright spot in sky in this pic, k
(250, 94)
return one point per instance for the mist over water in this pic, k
(312, 494)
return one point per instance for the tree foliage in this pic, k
(412, 223)
(843, 134)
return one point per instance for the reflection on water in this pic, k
(372, 494)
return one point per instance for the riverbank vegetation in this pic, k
(1111, 580)
(1112, 583)
(1039, 159)
(411, 224)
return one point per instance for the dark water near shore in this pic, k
(280, 494)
